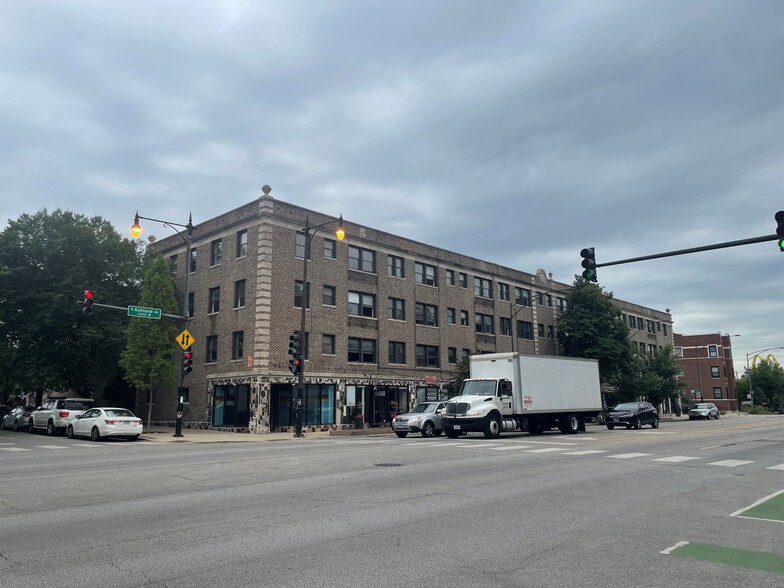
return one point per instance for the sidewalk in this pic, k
(166, 435)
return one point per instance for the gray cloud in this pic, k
(513, 132)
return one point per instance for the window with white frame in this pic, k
(361, 304)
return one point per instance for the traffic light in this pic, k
(295, 363)
(589, 264)
(187, 361)
(87, 303)
(780, 228)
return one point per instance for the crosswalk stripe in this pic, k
(730, 463)
(776, 467)
(676, 458)
(585, 452)
(507, 447)
(546, 450)
(14, 449)
(52, 446)
(629, 455)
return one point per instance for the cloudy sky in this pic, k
(516, 132)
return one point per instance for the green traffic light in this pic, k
(589, 275)
(781, 244)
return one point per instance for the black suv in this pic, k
(632, 414)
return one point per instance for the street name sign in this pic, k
(144, 312)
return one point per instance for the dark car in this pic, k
(632, 414)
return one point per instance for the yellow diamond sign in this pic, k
(185, 340)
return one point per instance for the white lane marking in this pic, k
(546, 450)
(6, 443)
(669, 550)
(507, 447)
(548, 443)
(756, 503)
(13, 449)
(88, 445)
(776, 467)
(730, 463)
(629, 455)
(676, 458)
(52, 446)
(586, 452)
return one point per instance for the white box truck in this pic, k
(515, 392)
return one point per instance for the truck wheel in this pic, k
(570, 425)
(451, 434)
(428, 430)
(492, 428)
(401, 434)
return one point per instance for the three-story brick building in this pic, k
(388, 318)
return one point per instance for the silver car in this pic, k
(704, 410)
(425, 419)
(17, 418)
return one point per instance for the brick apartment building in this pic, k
(708, 371)
(388, 319)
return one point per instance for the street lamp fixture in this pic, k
(136, 230)
(340, 233)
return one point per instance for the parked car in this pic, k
(100, 423)
(703, 410)
(17, 418)
(632, 414)
(55, 414)
(425, 419)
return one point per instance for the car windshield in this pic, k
(119, 412)
(626, 406)
(425, 407)
(702, 406)
(477, 388)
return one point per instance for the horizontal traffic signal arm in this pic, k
(693, 250)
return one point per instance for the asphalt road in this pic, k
(583, 510)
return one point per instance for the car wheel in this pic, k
(655, 423)
(95, 434)
(428, 430)
(30, 426)
(50, 430)
(611, 427)
(638, 423)
(69, 432)
(16, 425)
(2, 424)
(717, 416)
(452, 434)
(401, 434)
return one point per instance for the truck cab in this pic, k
(480, 405)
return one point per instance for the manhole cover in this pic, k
(388, 465)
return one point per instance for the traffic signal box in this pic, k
(589, 264)
(87, 303)
(780, 229)
(187, 361)
(295, 362)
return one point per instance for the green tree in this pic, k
(460, 373)
(664, 364)
(46, 261)
(592, 327)
(767, 384)
(150, 352)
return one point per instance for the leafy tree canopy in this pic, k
(767, 384)
(592, 326)
(46, 261)
(150, 352)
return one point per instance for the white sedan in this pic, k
(99, 423)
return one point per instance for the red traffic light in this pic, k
(88, 294)
(87, 303)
